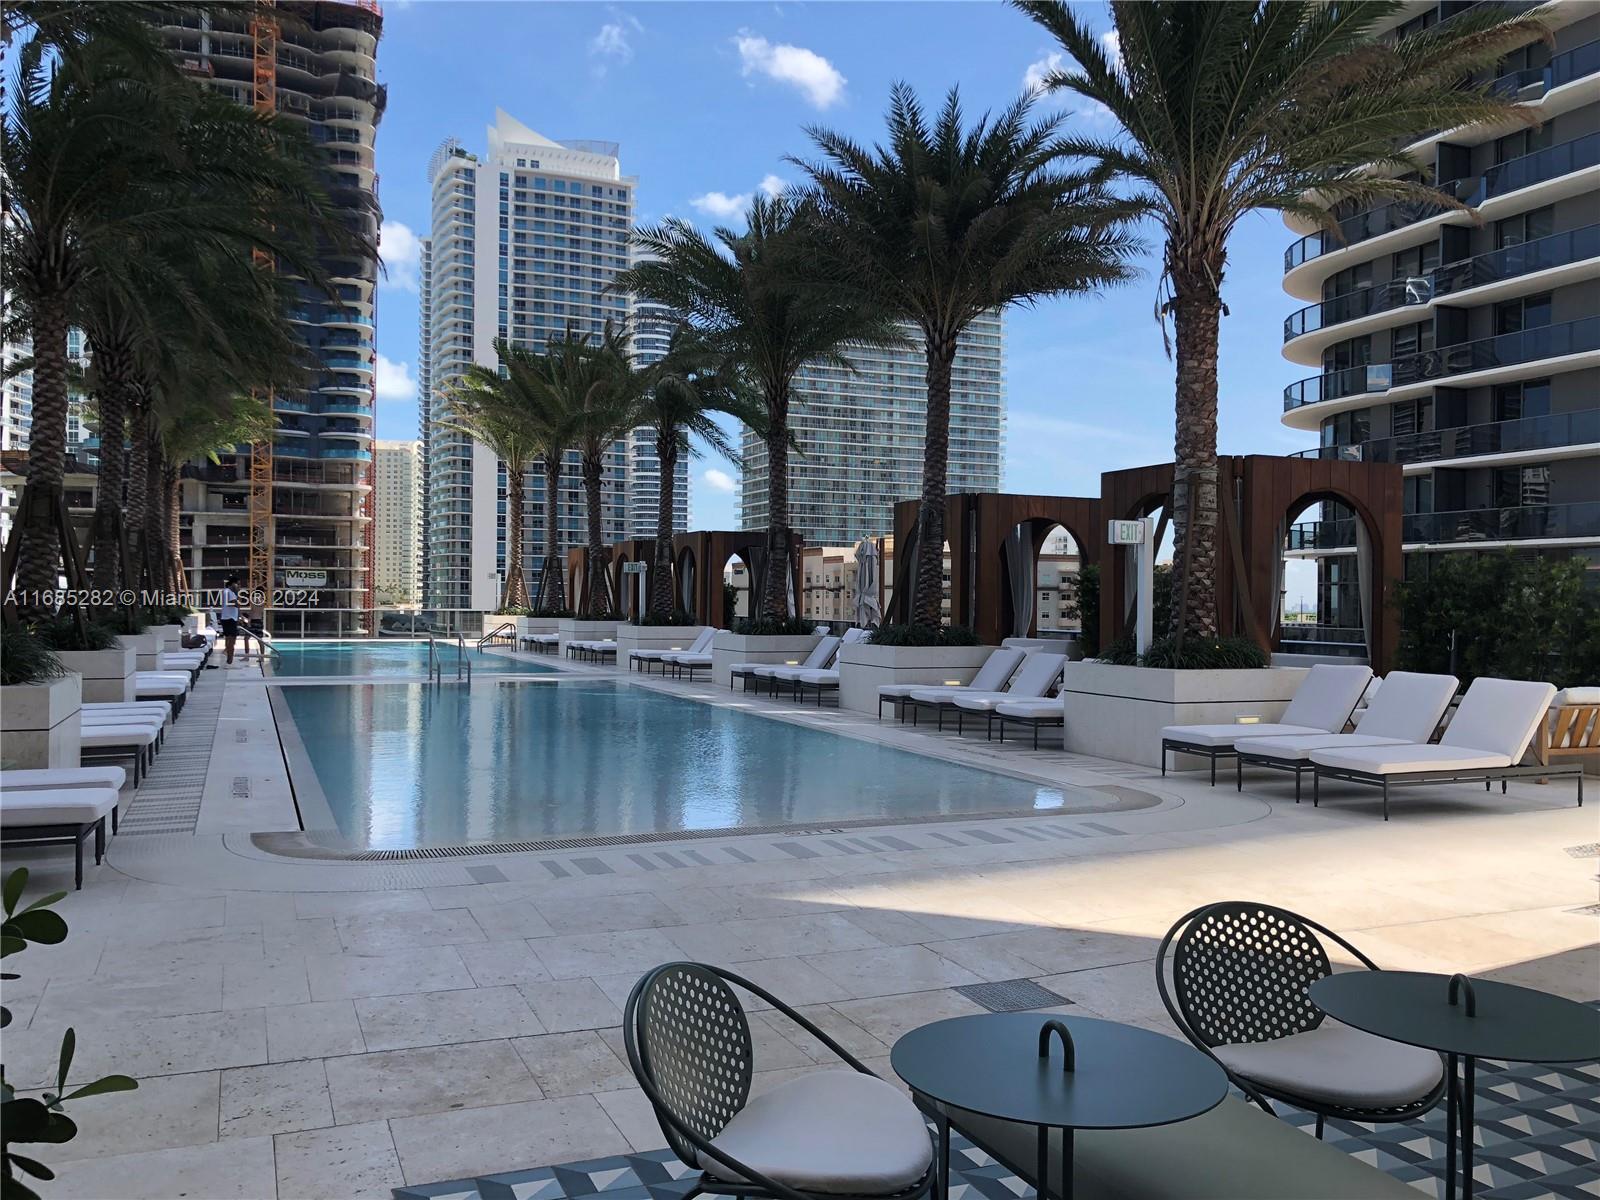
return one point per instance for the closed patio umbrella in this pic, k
(869, 613)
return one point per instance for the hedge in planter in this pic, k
(26, 658)
(924, 635)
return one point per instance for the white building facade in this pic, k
(397, 523)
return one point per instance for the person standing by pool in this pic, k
(228, 617)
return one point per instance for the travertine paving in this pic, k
(322, 1029)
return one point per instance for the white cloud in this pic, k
(721, 205)
(1111, 43)
(717, 481)
(612, 41)
(815, 77)
(402, 255)
(1033, 78)
(395, 381)
(772, 185)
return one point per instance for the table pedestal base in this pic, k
(1460, 1084)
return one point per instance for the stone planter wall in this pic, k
(528, 626)
(864, 668)
(171, 636)
(727, 649)
(654, 637)
(1119, 712)
(573, 630)
(147, 646)
(40, 724)
(108, 675)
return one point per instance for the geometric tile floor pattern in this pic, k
(1538, 1137)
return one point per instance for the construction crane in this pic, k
(264, 98)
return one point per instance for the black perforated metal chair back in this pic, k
(694, 1046)
(1243, 973)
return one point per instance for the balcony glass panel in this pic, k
(1574, 64)
(1466, 441)
(1550, 163)
(1528, 345)
(1364, 225)
(1501, 524)
(1353, 381)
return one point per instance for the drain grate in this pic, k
(1587, 850)
(1011, 995)
(241, 735)
(241, 787)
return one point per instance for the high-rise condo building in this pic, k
(305, 497)
(861, 434)
(397, 517)
(651, 327)
(1468, 351)
(525, 242)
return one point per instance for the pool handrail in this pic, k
(461, 658)
(505, 627)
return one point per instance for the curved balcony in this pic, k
(360, 410)
(1363, 302)
(346, 362)
(1336, 385)
(1550, 432)
(1362, 226)
(339, 452)
(1543, 521)
(1539, 167)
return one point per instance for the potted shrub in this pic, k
(676, 632)
(40, 703)
(93, 651)
(937, 655)
(778, 640)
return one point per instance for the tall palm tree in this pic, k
(748, 294)
(1237, 105)
(943, 224)
(681, 394)
(607, 395)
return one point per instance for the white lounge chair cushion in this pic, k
(1499, 716)
(62, 777)
(981, 701)
(700, 645)
(818, 678)
(163, 706)
(1038, 671)
(1298, 749)
(100, 736)
(833, 1131)
(1227, 735)
(1408, 707)
(1405, 757)
(898, 691)
(545, 639)
(106, 720)
(1338, 1065)
(947, 695)
(1578, 695)
(689, 660)
(57, 806)
(161, 687)
(1327, 696)
(1032, 710)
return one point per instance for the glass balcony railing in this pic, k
(1322, 535)
(280, 450)
(364, 410)
(1508, 349)
(330, 452)
(1542, 254)
(1506, 524)
(1466, 441)
(1363, 225)
(1538, 167)
(1573, 64)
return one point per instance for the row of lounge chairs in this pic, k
(66, 805)
(1012, 687)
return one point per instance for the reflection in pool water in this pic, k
(406, 765)
(379, 657)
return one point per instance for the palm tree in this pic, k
(749, 296)
(1237, 105)
(681, 393)
(606, 391)
(944, 224)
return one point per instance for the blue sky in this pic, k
(706, 99)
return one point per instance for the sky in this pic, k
(708, 99)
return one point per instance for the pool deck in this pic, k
(308, 1029)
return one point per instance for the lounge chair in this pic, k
(592, 650)
(820, 679)
(836, 1133)
(1040, 671)
(1322, 704)
(991, 677)
(46, 778)
(101, 743)
(543, 643)
(1237, 986)
(644, 658)
(1407, 708)
(1573, 727)
(58, 817)
(1042, 713)
(822, 655)
(1486, 740)
(157, 685)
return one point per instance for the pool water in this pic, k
(383, 657)
(452, 765)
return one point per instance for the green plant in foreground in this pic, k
(62, 633)
(25, 658)
(924, 635)
(774, 626)
(30, 1119)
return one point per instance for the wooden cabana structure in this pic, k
(699, 557)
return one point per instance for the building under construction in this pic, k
(293, 517)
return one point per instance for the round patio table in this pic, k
(1063, 1073)
(1465, 1020)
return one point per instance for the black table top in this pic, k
(1125, 1077)
(1516, 1024)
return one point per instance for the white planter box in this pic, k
(171, 636)
(864, 668)
(528, 626)
(573, 630)
(655, 637)
(1119, 712)
(108, 675)
(40, 724)
(727, 649)
(196, 623)
(147, 646)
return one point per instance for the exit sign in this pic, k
(1126, 533)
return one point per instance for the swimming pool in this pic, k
(385, 657)
(501, 762)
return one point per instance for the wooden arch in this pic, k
(709, 550)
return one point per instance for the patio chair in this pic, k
(1573, 727)
(44, 778)
(58, 817)
(1486, 739)
(1322, 704)
(821, 655)
(1407, 708)
(1239, 990)
(1038, 674)
(700, 645)
(101, 743)
(1046, 712)
(818, 679)
(997, 669)
(840, 1133)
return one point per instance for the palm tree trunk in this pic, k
(775, 587)
(515, 594)
(1197, 310)
(138, 509)
(39, 545)
(662, 601)
(173, 481)
(928, 593)
(554, 590)
(114, 363)
(155, 522)
(597, 606)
